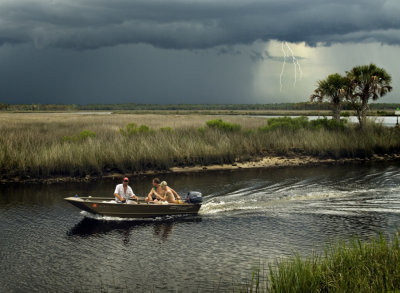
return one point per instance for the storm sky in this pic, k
(186, 51)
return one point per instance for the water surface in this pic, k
(248, 217)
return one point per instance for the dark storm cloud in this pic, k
(184, 24)
(121, 74)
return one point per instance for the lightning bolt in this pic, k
(283, 67)
(295, 63)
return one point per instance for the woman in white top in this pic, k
(123, 191)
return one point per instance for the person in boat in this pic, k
(124, 192)
(166, 194)
(151, 197)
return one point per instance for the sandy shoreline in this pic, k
(264, 162)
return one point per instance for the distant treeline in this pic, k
(197, 107)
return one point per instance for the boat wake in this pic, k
(264, 201)
(358, 194)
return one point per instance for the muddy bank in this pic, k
(264, 162)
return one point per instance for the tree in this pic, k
(367, 82)
(333, 88)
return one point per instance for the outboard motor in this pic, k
(194, 197)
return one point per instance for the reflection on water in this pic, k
(162, 231)
(247, 216)
(162, 227)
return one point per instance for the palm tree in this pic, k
(332, 88)
(367, 82)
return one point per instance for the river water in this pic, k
(249, 217)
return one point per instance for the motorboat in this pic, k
(106, 206)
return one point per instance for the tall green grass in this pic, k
(48, 146)
(358, 266)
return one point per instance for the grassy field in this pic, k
(41, 145)
(357, 266)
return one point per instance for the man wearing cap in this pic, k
(123, 192)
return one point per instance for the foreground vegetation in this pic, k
(47, 145)
(358, 266)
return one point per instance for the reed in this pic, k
(358, 266)
(46, 145)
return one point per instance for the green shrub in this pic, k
(144, 129)
(84, 134)
(293, 124)
(222, 125)
(328, 124)
(132, 129)
(285, 123)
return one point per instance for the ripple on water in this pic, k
(247, 217)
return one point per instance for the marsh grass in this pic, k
(32, 144)
(357, 266)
